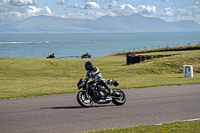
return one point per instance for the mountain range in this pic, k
(124, 24)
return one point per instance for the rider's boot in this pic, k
(110, 90)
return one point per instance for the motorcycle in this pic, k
(92, 92)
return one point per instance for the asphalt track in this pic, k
(62, 113)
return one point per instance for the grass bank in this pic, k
(24, 77)
(171, 50)
(177, 127)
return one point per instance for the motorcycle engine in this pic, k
(102, 92)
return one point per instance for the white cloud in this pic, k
(23, 2)
(169, 12)
(184, 12)
(112, 4)
(75, 5)
(46, 10)
(189, 12)
(12, 13)
(147, 9)
(91, 5)
(2, 2)
(32, 10)
(82, 14)
(141, 9)
(127, 7)
(63, 2)
(169, 3)
(197, 2)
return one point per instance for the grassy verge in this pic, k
(177, 127)
(166, 50)
(23, 77)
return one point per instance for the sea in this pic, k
(73, 45)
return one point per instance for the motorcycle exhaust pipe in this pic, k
(102, 101)
(105, 100)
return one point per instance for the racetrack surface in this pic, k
(62, 113)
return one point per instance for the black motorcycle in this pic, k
(92, 92)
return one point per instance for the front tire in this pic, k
(119, 97)
(83, 100)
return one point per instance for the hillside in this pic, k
(23, 77)
(133, 23)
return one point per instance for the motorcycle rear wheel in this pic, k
(119, 99)
(83, 100)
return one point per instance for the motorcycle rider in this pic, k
(94, 73)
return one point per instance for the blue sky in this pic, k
(168, 10)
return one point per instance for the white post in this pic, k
(188, 70)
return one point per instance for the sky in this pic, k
(168, 10)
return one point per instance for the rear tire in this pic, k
(119, 97)
(82, 100)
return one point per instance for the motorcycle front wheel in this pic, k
(119, 97)
(83, 100)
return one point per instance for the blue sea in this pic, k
(97, 44)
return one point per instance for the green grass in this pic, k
(24, 77)
(177, 127)
(171, 50)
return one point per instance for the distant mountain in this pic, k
(133, 23)
(45, 24)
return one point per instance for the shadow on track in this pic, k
(70, 107)
(74, 107)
